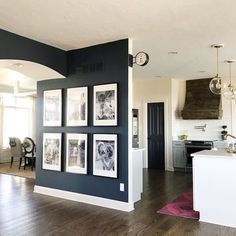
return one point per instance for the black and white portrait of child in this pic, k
(105, 105)
(51, 151)
(105, 155)
(76, 153)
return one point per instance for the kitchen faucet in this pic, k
(229, 135)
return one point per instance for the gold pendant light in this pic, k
(216, 84)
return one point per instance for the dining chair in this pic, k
(29, 152)
(16, 150)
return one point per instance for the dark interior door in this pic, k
(156, 155)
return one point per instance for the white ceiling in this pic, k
(26, 72)
(156, 26)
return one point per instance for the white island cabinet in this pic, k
(214, 186)
(137, 183)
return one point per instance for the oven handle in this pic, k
(194, 146)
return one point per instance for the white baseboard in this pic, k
(167, 169)
(170, 168)
(78, 197)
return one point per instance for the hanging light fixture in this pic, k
(215, 84)
(229, 90)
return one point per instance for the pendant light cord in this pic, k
(217, 62)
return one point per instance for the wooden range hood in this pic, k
(200, 103)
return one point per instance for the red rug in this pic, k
(181, 206)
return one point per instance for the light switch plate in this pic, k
(122, 187)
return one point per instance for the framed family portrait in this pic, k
(77, 106)
(105, 105)
(105, 155)
(51, 151)
(52, 107)
(76, 153)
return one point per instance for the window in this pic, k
(17, 118)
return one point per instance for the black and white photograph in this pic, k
(52, 151)
(76, 153)
(105, 155)
(105, 105)
(52, 108)
(77, 106)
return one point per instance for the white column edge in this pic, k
(130, 107)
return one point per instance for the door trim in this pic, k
(166, 131)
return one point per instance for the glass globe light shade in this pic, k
(225, 87)
(230, 93)
(215, 85)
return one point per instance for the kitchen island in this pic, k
(214, 186)
(137, 180)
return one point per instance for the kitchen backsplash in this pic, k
(192, 128)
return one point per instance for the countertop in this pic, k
(220, 153)
(138, 149)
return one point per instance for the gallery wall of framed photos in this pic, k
(82, 124)
(104, 145)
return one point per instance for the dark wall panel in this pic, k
(100, 64)
(13, 46)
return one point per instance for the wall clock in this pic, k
(141, 58)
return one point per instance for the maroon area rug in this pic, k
(181, 206)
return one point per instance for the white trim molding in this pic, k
(130, 122)
(78, 197)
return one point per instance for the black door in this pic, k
(156, 154)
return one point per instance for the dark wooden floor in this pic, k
(23, 212)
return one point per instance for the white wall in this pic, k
(172, 93)
(145, 91)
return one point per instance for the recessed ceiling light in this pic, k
(173, 52)
(19, 65)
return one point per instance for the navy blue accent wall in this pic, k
(100, 64)
(13, 46)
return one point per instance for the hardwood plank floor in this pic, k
(23, 212)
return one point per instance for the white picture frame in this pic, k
(76, 153)
(51, 151)
(105, 155)
(52, 107)
(77, 106)
(105, 105)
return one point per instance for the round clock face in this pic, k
(141, 58)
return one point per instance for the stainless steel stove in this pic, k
(192, 146)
